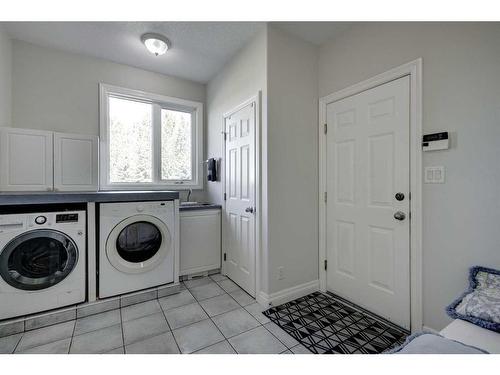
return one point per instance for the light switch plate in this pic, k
(434, 175)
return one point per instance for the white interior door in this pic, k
(239, 213)
(367, 225)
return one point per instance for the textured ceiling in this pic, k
(199, 49)
(314, 32)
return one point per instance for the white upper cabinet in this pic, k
(26, 160)
(37, 160)
(75, 162)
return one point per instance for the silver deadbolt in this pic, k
(399, 215)
(249, 209)
(399, 196)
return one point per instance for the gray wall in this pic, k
(5, 79)
(292, 160)
(57, 90)
(240, 79)
(461, 94)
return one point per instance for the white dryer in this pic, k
(42, 261)
(136, 246)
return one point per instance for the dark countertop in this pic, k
(201, 206)
(79, 197)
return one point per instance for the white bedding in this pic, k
(470, 334)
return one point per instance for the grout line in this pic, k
(98, 329)
(17, 344)
(121, 326)
(277, 338)
(225, 339)
(72, 335)
(171, 330)
(49, 342)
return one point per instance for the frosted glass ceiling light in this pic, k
(157, 44)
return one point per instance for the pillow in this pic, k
(480, 304)
(431, 343)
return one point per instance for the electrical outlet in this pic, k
(281, 273)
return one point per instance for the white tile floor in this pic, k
(210, 315)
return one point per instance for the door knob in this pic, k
(249, 209)
(399, 196)
(399, 215)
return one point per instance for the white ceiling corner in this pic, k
(199, 49)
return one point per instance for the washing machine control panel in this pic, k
(67, 218)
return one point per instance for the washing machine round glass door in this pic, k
(38, 259)
(138, 244)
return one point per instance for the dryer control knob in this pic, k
(140, 208)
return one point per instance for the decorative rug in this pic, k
(328, 324)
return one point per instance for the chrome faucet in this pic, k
(190, 191)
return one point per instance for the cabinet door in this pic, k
(26, 160)
(200, 241)
(75, 162)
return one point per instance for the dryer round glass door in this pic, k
(38, 259)
(138, 244)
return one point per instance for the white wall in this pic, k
(57, 90)
(461, 94)
(5, 79)
(292, 160)
(240, 79)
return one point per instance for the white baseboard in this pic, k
(429, 329)
(288, 294)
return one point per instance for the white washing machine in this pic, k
(136, 246)
(42, 261)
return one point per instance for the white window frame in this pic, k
(159, 102)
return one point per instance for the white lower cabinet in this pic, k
(200, 242)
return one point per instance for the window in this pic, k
(149, 141)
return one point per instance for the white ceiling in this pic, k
(199, 49)
(314, 32)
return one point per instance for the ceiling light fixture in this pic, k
(157, 44)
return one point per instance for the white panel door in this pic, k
(75, 162)
(239, 225)
(26, 159)
(368, 227)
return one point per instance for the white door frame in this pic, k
(414, 70)
(256, 99)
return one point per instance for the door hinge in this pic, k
(225, 135)
(224, 257)
(325, 128)
(225, 196)
(326, 264)
(325, 196)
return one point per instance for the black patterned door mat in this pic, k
(327, 324)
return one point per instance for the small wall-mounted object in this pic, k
(434, 175)
(212, 169)
(435, 142)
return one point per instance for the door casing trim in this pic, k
(413, 69)
(258, 206)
